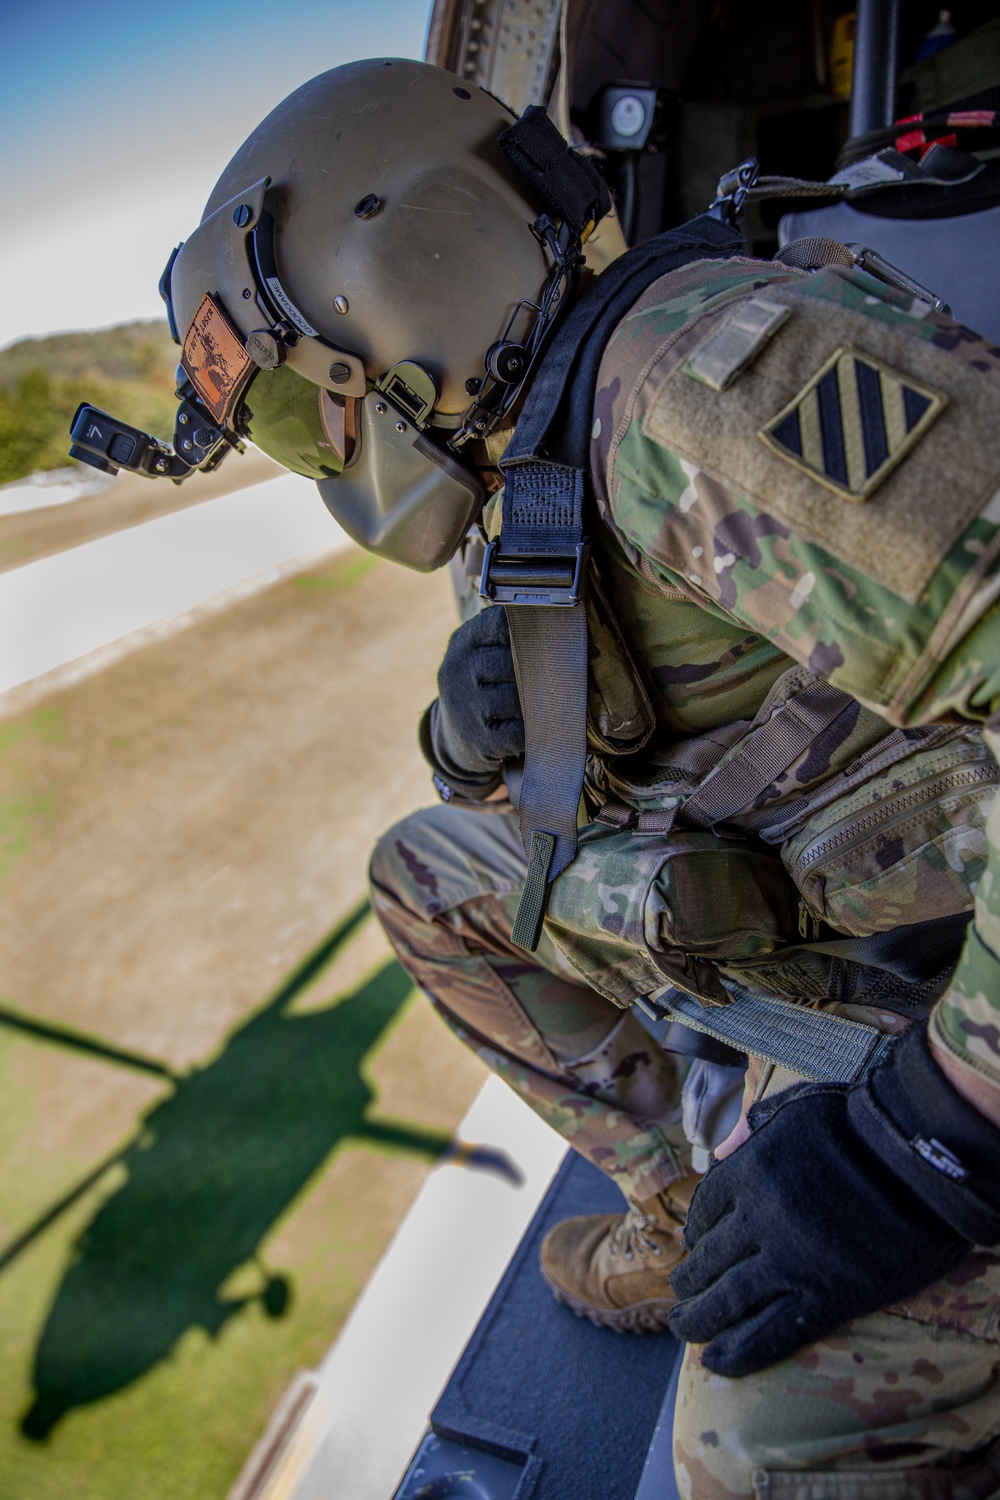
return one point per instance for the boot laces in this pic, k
(631, 1235)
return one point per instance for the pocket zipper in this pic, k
(954, 783)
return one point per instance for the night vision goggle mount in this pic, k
(107, 443)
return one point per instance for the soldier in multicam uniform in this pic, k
(720, 592)
(794, 693)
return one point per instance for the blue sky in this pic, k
(117, 117)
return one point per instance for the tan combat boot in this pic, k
(615, 1268)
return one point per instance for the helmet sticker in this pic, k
(215, 360)
(288, 307)
(853, 422)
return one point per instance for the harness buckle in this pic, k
(534, 577)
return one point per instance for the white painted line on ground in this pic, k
(394, 1354)
(158, 576)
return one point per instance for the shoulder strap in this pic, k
(537, 566)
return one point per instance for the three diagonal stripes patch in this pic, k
(853, 422)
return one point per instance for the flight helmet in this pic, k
(372, 282)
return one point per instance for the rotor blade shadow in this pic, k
(212, 1169)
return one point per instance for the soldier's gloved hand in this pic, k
(841, 1201)
(476, 723)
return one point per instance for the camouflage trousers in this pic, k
(901, 1405)
(445, 885)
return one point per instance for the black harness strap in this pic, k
(537, 568)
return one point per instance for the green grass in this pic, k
(148, 1324)
(341, 574)
(127, 370)
(25, 807)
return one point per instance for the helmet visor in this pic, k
(301, 426)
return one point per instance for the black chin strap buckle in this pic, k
(550, 577)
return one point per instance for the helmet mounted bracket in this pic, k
(411, 389)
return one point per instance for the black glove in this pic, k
(475, 724)
(841, 1201)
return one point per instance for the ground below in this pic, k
(219, 1093)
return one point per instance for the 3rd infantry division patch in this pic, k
(853, 423)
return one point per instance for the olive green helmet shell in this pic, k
(365, 248)
(435, 262)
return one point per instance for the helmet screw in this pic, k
(241, 216)
(472, 386)
(341, 303)
(162, 466)
(400, 426)
(368, 207)
(183, 419)
(381, 408)
(340, 374)
(187, 445)
(247, 294)
(480, 424)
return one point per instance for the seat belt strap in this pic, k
(816, 1043)
(537, 567)
(538, 572)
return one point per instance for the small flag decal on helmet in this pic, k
(853, 423)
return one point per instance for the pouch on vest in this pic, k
(876, 829)
(908, 845)
(620, 716)
(632, 914)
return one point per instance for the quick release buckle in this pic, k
(534, 577)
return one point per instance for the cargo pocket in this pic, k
(908, 845)
(635, 911)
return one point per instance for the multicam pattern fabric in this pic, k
(445, 885)
(901, 1405)
(719, 593)
(702, 537)
(885, 1400)
(966, 1020)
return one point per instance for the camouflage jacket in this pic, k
(804, 468)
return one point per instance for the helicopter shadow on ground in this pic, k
(211, 1170)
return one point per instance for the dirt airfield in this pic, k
(180, 835)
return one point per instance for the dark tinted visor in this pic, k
(301, 426)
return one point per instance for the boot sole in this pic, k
(640, 1317)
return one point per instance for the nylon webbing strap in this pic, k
(812, 1042)
(537, 568)
(526, 928)
(764, 754)
(543, 519)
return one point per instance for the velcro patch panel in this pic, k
(853, 422)
(735, 342)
